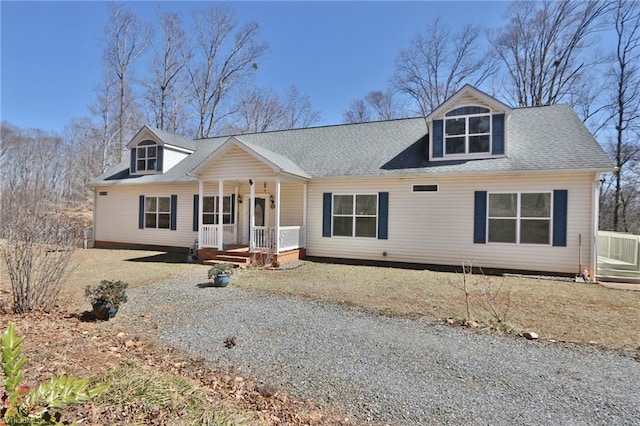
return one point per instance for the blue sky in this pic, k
(334, 52)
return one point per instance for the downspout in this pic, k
(595, 208)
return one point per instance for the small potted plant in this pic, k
(220, 273)
(106, 298)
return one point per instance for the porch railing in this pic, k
(619, 246)
(291, 237)
(210, 235)
(263, 238)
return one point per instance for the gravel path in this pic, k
(392, 370)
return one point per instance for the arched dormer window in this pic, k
(467, 130)
(146, 156)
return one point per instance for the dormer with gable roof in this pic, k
(469, 125)
(153, 151)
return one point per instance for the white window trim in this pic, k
(157, 212)
(353, 214)
(146, 158)
(466, 135)
(518, 218)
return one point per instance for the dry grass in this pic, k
(136, 267)
(559, 310)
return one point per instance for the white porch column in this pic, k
(304, 214)
(595, 207)
(220, 242)
(252, 213)
(200, 210)
(235, 217)
(277, 236)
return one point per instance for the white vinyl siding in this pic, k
(116, 215)
(438, 228)
(236, 164)
(171, 157)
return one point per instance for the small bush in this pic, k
(112, 293)
(220, 268)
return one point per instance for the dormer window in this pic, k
(467, 130)
(147, 156)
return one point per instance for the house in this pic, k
(475, 181)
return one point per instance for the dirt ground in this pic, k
(64, 339)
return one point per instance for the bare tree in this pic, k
(376, 105)
(542, 48)
(224, 56)
(261, 110)
(127, 38)
(439, 62)
(166, 88)
(298, 111)
(104, 108)
(625, 75)
(37, 235)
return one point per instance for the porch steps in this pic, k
(236, 255)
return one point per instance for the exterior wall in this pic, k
(116, 215)
(236, 164)
(437, 227)
(171, 158)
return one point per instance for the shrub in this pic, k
(111, 293)
(220, 268)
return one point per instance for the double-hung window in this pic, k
(355, 215)
(146, 156)
(467, 130)
(157, 212)
(210, 207)
(523, 218)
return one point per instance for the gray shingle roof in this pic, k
(538, 139)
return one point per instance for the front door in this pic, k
(260, 215)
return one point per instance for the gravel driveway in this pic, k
(392, 370)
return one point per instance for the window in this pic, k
(157, 212)
(210, 210)
(147, 156)
(355, 215)
(520, 218)
(467, 130)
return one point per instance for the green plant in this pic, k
(110, 293)
(36, 406)
(220, 268)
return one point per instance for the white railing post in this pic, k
(200, 210)
(220, 203)
(251, 214)
(277, 230)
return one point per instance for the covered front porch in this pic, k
(250, 197)
(252, 220)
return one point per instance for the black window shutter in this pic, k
(383, 215)
(438, 138)
(132, 166)
(141, 213)
(174, 210)
(233, 208)
(497, 146)
(160, 158)
(480, 218)
(196, 211)
(326, 214)
(560, 198)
